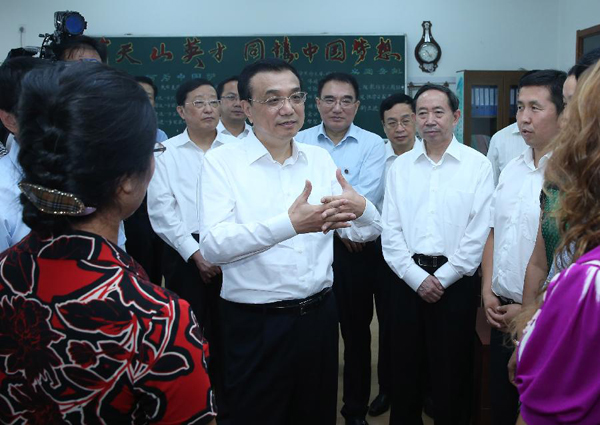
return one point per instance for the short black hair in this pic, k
(80, 42)
(149, 81)
(391, 101)
(452, 99)
(188, 86)
(73, 137)
(341, 77)
(12, 73)
(584, 62)
(221, 85)
(552, 79)
(262, 65)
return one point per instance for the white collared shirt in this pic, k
(247, 129)
(390, 157)
(516, 215)
(246, 229)
(505, 145)
(12, 228)
(437, 209)
(173, 189)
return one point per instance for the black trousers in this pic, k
(280, 368)
(382, 287)
(436, 339)
(143, 244)
(354, 276)
(183, 278)
(504, 395)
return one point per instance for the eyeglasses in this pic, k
(230, 98)
(202, 103)
(158, 150)
(276, 102)
(345, 103)
(405, 123)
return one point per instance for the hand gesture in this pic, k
(431, 290)
(207, 270)
(355, 203)
(307, 218)
(490, 304)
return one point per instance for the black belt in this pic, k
(291, 307)
(506, 301)
(430, 260)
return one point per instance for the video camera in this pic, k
(66, 24)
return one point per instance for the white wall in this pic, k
(474, 34)
(574, 15)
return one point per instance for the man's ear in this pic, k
(247, 110)
(9, 121)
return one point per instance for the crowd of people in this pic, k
(205, 278)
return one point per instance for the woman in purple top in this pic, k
(558, 358)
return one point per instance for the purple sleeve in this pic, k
(558, 369)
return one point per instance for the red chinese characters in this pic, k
(284, 50)
(310, 50)
(163, 53)
(217, 52)
(192, 50)
(336, 51)
(254, 49)
(359, 48)
(384, 50)
(125, 52)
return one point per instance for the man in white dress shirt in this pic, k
(505, 145)
(172, 200)
(398, 121)
(268, 209)
(233, 120)
(433, 239)
(515, 221)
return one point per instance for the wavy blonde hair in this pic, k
(574, 169)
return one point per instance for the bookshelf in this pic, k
(488, 103)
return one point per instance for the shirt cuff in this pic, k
(188, 247)
(447, 275)
(368, 216)
(281, 228)
(414, 276)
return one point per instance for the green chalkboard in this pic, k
(377, 61)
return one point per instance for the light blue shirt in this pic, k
(360, 155)
(161, 136)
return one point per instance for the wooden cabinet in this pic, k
(488, 103)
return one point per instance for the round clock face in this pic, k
(428, 52)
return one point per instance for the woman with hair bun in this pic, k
(558, 366)
(84, 336)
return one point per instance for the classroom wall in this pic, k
(483, 34)
(574, 15)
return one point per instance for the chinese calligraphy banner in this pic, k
(378, 62)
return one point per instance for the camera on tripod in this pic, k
(67, 24)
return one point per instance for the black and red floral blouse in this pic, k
(86, 338)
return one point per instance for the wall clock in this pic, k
(428, 52)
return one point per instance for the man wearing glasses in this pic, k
(360, 155)
(172, 207)
(268, 210)
(233, 120)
